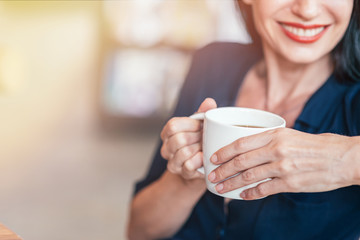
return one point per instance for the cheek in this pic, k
(342, 17)
(265, 12)
(262, 23)
(346, 7)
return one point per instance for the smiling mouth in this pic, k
(303, 33)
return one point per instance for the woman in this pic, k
(306, 70)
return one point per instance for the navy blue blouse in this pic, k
(217, 71)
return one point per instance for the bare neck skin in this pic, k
(282, 87)
(287, 82)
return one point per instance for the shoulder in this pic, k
(221, 61)
(225, 47)
(224, 61)
(221, 58)
(228, 51)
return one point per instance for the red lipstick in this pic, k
(303, 33)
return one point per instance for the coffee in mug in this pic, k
(247, 126)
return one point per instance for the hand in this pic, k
(295, 162)
(182, 146)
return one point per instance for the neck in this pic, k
(286, 81)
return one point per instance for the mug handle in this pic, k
(201, 117)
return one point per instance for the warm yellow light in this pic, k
(12, 71)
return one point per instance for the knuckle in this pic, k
(281, 150)
(229, 185)
(248, 175)
(239, 162)
(185, 153)
(262, 190)
(187, 171)
(163, 152)
(187, 167)
(180, 139)
(220, 173)
(172, 126)
(286, 166)
(221, 156)
(239, 144)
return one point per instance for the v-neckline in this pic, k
(303, 113)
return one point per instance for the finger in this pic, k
(242, 145)
(241, 163)
(305, 182)
(190, 167)
(185, 154)
(165, 153)
(264, 189)
(180, 124)
(181, 140)
(173, 144)
(246, 178)
(207, 104)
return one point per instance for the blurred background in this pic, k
(85, 87)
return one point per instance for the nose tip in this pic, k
(306, 9)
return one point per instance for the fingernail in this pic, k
(212, 176)
(219, 187)
(214, 158)
(243, 195)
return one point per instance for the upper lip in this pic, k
(307, 26)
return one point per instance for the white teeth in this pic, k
(310, 32)
(296, 31)
(301, 32)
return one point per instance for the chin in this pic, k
(303, 57)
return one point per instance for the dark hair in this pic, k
(346, 54)
(246, 13)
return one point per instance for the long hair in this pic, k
(345, 55)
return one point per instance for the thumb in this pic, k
(207, 104)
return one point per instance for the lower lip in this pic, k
(304, 39)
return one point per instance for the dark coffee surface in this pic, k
(248, 126)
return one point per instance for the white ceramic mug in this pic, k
(221, 127)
